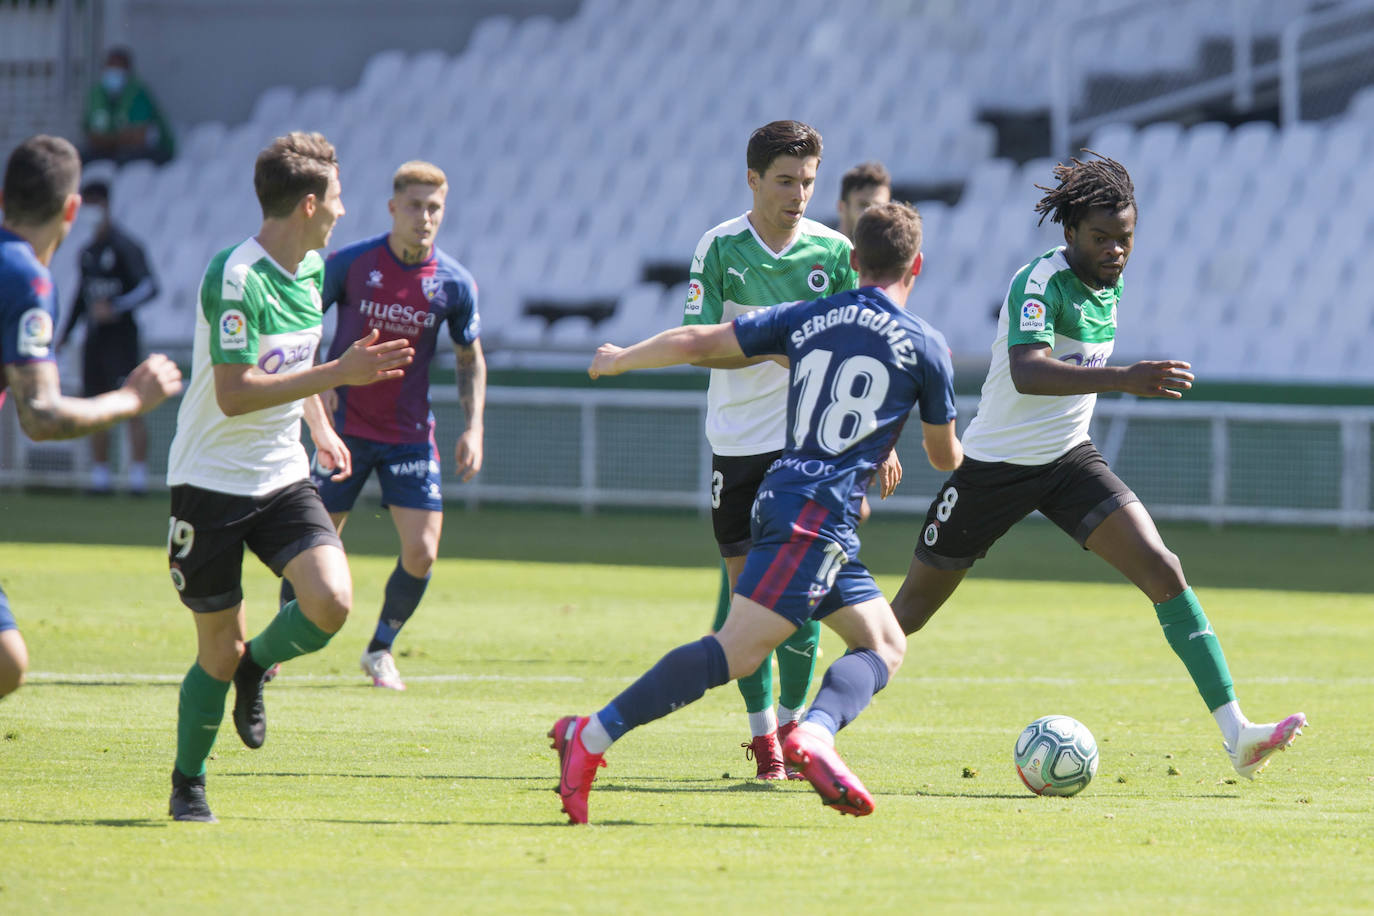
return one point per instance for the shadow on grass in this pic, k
(88, 821)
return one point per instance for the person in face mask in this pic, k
(122, 121)
(116, 279)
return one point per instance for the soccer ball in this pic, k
(1056, 755)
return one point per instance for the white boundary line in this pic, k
(86, 677)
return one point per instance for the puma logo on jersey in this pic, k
(731, 270)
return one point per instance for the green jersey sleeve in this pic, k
(1033, 305)
(846, 277)
(704, 299)
(232, 304)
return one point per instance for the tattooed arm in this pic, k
(45, 413)
(472, 395)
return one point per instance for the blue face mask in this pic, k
(113, 79)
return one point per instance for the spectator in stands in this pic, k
(866, 184)
(122, 121)
(40, 203)
(115, 280)
(1028, 446)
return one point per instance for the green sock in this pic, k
(797, 664)
(288, 635)
(722, 600)
(199, 713)
(1192, 639)
(757, 688)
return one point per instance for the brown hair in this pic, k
(290, 168)
(886, 240)
(40, 174)
(864, 175)
(417, 171)
(781, 138)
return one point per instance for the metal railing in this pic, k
(1212, 462)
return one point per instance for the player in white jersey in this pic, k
(40, 202)
(768, 255)
(1028, 447)
(237, 470)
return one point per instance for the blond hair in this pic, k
(417, 171)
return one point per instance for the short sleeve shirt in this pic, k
(1046, 303)
(28, 305)
(251, 312)
(733, 273)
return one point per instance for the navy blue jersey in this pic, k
(374, 290)
(28, 305)
(860, 363)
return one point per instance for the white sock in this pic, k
(138, 475)
(786, 714)
(595, 738)
(100, 476)
(820, 731)
(762, 723)
(1230, 720)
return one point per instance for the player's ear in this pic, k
(69, 208)
(854, 260)
(918, 263)
(309, 203)
(753, 178)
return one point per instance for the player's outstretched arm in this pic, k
(942, 445)
(1035, 371)
(673, 347)
(45, 413)
(241, 388)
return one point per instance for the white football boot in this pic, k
(381, 667)
(1257, 743)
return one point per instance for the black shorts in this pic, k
(735, 482)
(982, 500)
(109, 355)
(208, 530)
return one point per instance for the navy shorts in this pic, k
(208, 531)
(408, 473)
(7, 621)
(803, 563)
(981, 500)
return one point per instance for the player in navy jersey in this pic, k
(402, 286)
(859, 363)
(40, 201)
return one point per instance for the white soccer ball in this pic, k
(1056, 755)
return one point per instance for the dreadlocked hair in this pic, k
(1100, 182)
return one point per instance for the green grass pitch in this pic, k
(439, 800)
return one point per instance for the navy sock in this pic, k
(402, 597)
(680, 677)
(288, 594)
(849, 685)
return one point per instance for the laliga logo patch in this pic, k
(430, 286)
(694, 293)
(1032, 315)
(35, 334)
(818, 279)
(233, 331)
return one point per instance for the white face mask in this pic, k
(113, 79)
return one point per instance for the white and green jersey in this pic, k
(734, 272)
(1046, 303)
(252, 312)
